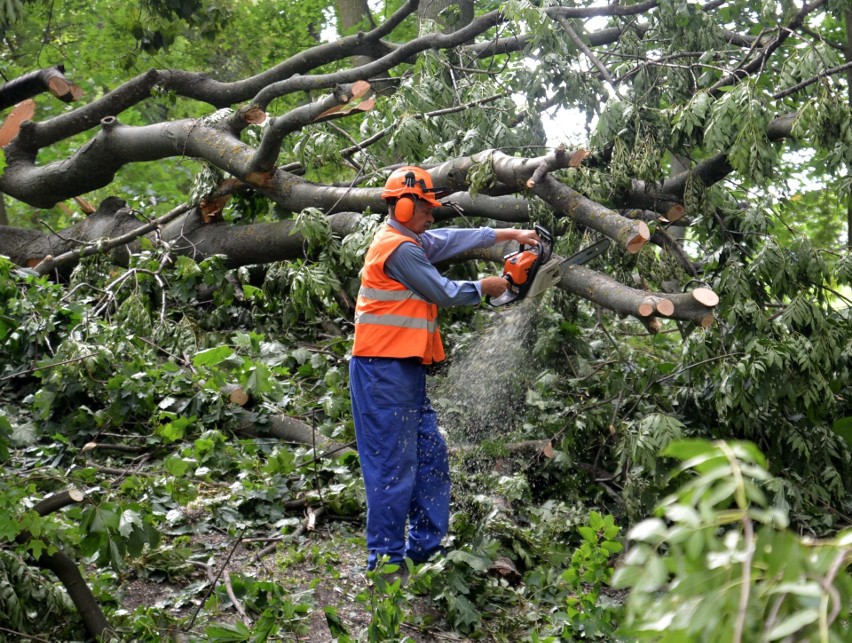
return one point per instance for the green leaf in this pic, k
(654, 575)
(212, 356)
(812, 589)
(9, 527)
(103, 520)
(843, 428)
(177, 466)
(479, 563)
(625, 577)
(652, 530)
(793, 624)
(127, 521)
(176, 429)
(611, 546)
(465, 612)
(226, 633)
(588, 534)
(688, 449)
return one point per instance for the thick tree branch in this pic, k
(381, 65)
(610, 294)
(37, 82)
(66, 569)
(710, 171)
(270, 147)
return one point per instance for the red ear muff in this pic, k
(404, 209)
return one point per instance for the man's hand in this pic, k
(493, 286)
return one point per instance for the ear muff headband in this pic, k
(404, 209)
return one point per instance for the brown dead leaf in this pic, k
(23, 111)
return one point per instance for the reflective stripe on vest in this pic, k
(388, 295)
(390, 319)
(396, 320)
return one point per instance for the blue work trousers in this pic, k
(404, 459)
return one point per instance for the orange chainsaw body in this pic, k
(518, 266)
(531, 271)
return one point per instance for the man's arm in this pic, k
(526, 237)
(441, 244)
(409, 266)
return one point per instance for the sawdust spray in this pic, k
(482, 395)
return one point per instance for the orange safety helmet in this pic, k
(407, 183)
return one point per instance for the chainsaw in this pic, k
(531, 271)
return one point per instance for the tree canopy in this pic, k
(188, 191)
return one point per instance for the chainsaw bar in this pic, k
(587, 254)
(550, 273)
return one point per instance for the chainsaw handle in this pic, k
(544, 233)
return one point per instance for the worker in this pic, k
(403, 456)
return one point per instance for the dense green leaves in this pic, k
(717, 563)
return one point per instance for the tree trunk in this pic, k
(452, 15)
(353, 15)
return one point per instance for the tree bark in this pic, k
(451, 15)
(351, 15)
(51, 79)
(291, 429)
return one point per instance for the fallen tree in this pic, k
(259, 165)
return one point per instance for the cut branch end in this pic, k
(705, 296)
(643, 234)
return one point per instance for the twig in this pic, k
(349, 151)
(49, 265)
(843, 558)
(748, 528)
(268, 539)
(812, 80)
(307, 525)
(213, 582)
(46, 366)
(115, 471)
(24, 637)
(268, 549)
(124, 448)
(234, 601)
(602, 70)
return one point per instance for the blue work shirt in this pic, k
(411, 265)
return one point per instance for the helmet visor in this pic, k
(430, 199)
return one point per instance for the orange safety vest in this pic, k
(390, 319)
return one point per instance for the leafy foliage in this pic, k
(717, 562)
